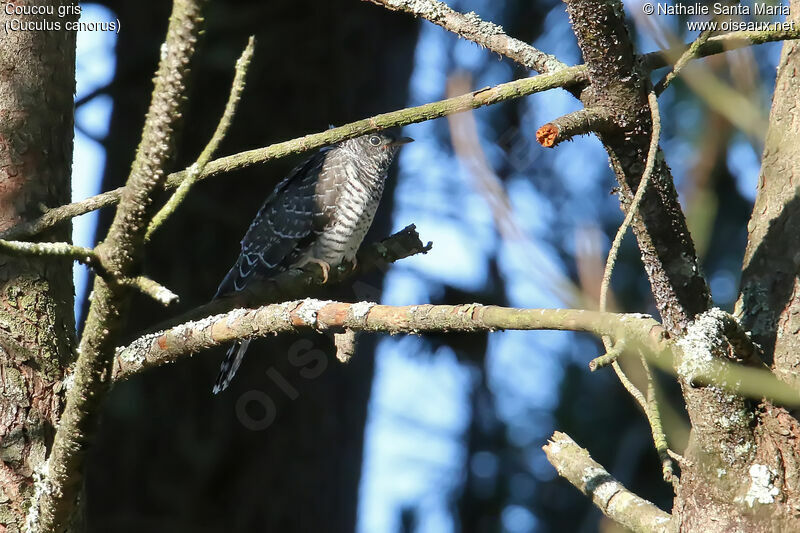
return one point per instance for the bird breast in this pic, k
(356, 195)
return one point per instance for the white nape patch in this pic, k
(761, 488)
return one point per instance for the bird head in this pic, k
(379, 148)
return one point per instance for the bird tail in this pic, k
(230, 365)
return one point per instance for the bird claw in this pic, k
(326, 268)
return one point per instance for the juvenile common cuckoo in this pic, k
(319, 213)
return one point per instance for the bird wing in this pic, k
(277, 233)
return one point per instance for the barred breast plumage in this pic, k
(319, 213)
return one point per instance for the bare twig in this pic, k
(192, 173)
(87, 256)
(607, 358)
(634, 206)
(471, 27)
(682, 61)
(649, 402)
(574, 464)
(151, 288)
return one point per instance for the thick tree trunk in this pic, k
(762, 441)
(37, 328)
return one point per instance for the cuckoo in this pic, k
(319, 213)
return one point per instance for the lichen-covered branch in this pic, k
(574, 464)
(119, 253)
(295, 316)
(50, 249)
(471, 27)
(568, 77)
(87, 256)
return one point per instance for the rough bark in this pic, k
(728, 482)
(770, 293)
(120, 253)
(37, 81)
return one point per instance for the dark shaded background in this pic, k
(172, 457)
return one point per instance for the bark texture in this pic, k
(770, 294)
(37, 82)
(730, 481)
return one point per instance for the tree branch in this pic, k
(87, 256)
(471, 27)
(50, 249)
(570, 76)
(119, 252)
(235, 94)
(303, 281)
(581, 122)
(294, 316)
(574, 464)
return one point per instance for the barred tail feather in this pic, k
(230, 365)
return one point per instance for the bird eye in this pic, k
(375, 140)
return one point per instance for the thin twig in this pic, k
(151, 288)
(471, 27)
(648, 404)
(609, 357)
(192, 173)
(682, 61)
(89, 257)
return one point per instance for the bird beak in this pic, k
(401, 141)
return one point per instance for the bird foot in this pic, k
(326, 268)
